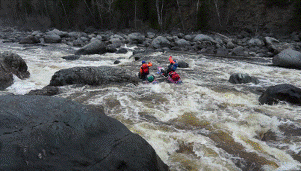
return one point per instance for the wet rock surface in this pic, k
(281, 92)
(93, 76)
(288, 58)
(239, 78)
(47, 133)
(11, 63)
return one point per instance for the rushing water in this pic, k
(206, 123)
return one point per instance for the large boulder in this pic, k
(288, 58)
(202, 37)
(136, 38)
(183, 64)
(160, 42)
(122, 51)
(182, 42)
(238, 51)
(49, 133)
(150, 35)
(52, 38)
(275, 46)
(29, 40)
(238, 78)
(57, 32)
(13, 63)
(94, 47)
(101, 75)
(281, 92)
(222, 52)
(116, 40)
(255, 42)
(6, 79)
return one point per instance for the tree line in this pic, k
(143, 14)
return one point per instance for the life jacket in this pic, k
(174, 67)
(144, 68)
(174, 76)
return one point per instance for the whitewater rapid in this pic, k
(206, 123)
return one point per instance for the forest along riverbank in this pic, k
(204, 123)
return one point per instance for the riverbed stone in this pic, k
(6, 79)
(160, 42)
(29, 40)
(288, 58)
(183, 64)
(45, 91)
(50, 133)
(239, 78)
(136, 38)
(102, 75)
(53, 38)
(94, 47)
(122, 51)
(71, 57)
(238, 51)
(202, 37)
(12, 62)
(281, 92)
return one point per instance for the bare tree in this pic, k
(217, 12)
(160, 13)
(181, 18)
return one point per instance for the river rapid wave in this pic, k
(205, 123)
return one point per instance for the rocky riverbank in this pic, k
(241, 44)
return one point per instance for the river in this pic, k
(206, 123)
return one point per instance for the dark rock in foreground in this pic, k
(281, 92)
(46, 91)
(11, 63)
(238, 78)
(15, 64)
(47, 133)
(6, 79)
(93, 76)
(288, 58)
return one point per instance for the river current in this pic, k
(206, 123)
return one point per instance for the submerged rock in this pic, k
(183, 64)
(101, 75)
(238, 78)
(48, 133)
(71, 57)
(281, 92)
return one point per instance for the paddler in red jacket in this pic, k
(144, 70)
